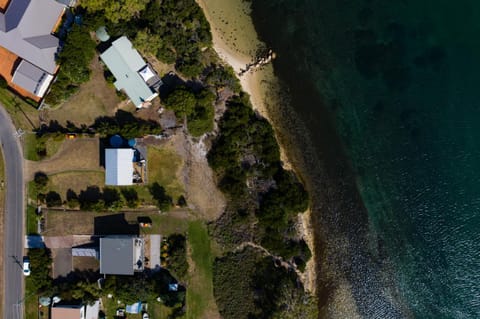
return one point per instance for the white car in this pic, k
(26, 266)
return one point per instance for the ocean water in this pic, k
(389, 95)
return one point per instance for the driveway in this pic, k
(62, 262)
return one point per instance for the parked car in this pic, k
(26, 266)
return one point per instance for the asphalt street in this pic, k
(15, 208)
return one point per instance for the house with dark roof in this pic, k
(28, 46)
(121, 255)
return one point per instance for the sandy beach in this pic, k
(236, 42)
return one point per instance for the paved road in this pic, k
(13, 234)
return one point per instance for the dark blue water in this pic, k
(388, 92)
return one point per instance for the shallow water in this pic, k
(387, 91)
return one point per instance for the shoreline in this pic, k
(257, 83)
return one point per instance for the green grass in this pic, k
(32, 143)
(30, 147)
(200, 288)
(24, 115)
(31, 301)
(163, 165)
(166, 224)
(156, 310)
(31, 220)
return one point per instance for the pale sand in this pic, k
(235, 41)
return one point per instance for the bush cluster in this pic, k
(174, 31)
(175, 255)
(196, 108)
(246, 150)
(74, 60)
(248, 285)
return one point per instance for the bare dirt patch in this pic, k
(94, 99)
(202, 193)
(82, 154)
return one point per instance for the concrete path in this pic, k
(155, 243)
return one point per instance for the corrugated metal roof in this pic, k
(26, 27)
(116, 255)
(119, 166)
(30, 77)
(124, 62)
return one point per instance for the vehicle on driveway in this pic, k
(26, 266)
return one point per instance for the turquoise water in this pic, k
(389, 93)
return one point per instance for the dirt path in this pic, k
(73, 155)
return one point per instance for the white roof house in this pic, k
(119, 166)
(130, 71)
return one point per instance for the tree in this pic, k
(164, 201)
(117, 10)
(181, 101)
(131, 197)
(72, 199)
(53, 199)
(40, 264)
(177, 255)
(40, 179)
(112, 199)
(147, 43)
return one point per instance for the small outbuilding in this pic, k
(119, 166)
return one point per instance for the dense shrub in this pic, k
(177, 255)
(163, 200)
(246, 150)
(248, 285)
(40, 179)
(53, 199)
(74, 60)
(196, 108)
(131, 197)
(40, 264)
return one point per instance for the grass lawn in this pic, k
(200, 300)
(32, 143)
(155, 310)
(82, 223)
(31, 220)
(24, 115)
(75, 180)
(163, 167)
(31, 301)
(94, 99)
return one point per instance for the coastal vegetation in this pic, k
(258, 249)
(197, 109)
(173, 31)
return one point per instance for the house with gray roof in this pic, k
(121, 255)
(26, 28)
(133, 75)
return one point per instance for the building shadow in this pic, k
(115, 224)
